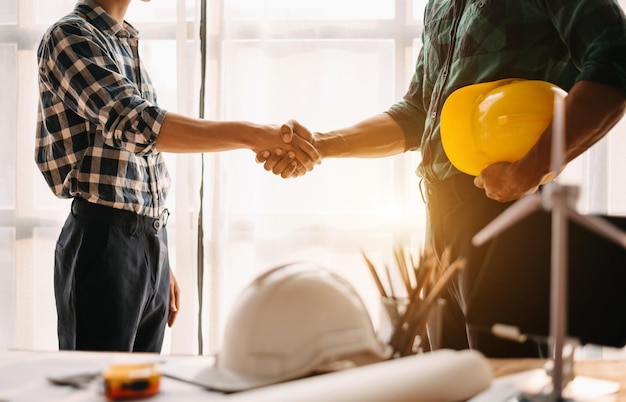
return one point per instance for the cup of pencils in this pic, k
(391, 311)
(406, 309)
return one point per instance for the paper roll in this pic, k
(440, 376)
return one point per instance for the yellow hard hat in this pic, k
(497, 121)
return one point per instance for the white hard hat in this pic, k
(289, 323)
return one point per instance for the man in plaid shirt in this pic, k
(100, 138)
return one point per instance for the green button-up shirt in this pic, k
(473, 41)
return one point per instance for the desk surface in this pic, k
(23, 375)
(611, 370)
(423, 378)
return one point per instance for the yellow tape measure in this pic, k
(126, 381)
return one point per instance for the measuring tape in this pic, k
(125, 381)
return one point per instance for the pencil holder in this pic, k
(409, 334)
(391, 311)
(407, 322)
(434, 324)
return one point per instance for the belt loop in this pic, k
(73, 207)
(165, 216)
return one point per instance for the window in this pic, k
(30, 216)
(326, 64)
(253, 219)
(327, 67)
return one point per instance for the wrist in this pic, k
(331, 144)
(534, 168)
(255, 136)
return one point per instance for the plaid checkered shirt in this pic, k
(98, 117)
(471, 41)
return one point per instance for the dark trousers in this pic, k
(507, 280)
(456, 211)
(111, 280)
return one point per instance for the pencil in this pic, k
(402, 267)
(379, 284)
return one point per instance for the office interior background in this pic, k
(326, 63)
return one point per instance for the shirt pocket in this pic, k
(482, 28)
(437, 32)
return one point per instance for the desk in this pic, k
(421, 378)
(23, 376)
(611, 370)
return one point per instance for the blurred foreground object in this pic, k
(293, 321)
(130, 381)
(424, 278)
(440, 376)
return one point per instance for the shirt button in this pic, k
(481, 4)
(157, 224)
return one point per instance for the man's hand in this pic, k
(503, 182)
(300, 145)
(174, 300)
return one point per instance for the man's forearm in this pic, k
(377, 136)
(591, 110)
(182, 134)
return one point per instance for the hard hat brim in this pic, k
(224, 380)
(456, 123)
(220, 379)
(216, 378)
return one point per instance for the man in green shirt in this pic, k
(578, 45)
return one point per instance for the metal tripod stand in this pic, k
(560, 200)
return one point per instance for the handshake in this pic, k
(295, 156)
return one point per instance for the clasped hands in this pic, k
(296, 156)
(298, 153)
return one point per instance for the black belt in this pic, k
(119, 217)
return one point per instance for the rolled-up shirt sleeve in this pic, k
(89, 81)
(595, 33)
(409, 112)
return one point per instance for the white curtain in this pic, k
(327, 64)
